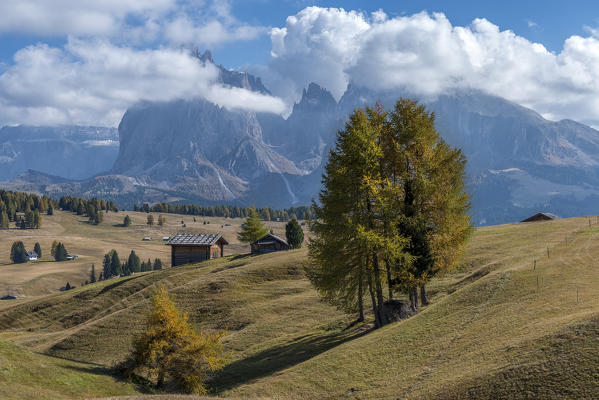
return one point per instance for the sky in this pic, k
(74, 62)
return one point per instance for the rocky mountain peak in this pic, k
(316, 98)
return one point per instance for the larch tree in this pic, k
(252, 229)
(392, 211)
(38, 249)
(170, 352)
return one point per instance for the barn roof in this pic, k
(540, 216)
(269, 238)
(187, 239)
(31, 254)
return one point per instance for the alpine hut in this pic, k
(542, 216)
(268, 244)
(191, 248)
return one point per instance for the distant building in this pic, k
(71, 257)
(268, 244)
(31, 255)
(190, 248)
(8, 297)
(541, 217)
(147, 239)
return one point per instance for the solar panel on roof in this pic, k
(194, 239)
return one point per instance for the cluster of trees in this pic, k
(393, 210)
(18, 253)
(170, 354)
(59, 251)
(24, 209)
(112, 266)
(253, 229)
(150, 220)
(267, 214)
(93, 208)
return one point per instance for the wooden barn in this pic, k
(268, 244)
(190, 248)
(541, 217)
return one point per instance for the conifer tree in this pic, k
(162, 220)
(61, 252)
(53, 248)
(106, 265)
(157, 264)
(252, 229)
(294, 234)
(393, 210)
(150, 220)
(4, 221)
(38, 249)
(50, 209)
(18, 254)
(170, 352)
(116, 268)
(67, 286)
(92, 275)
(133, 263)
(127, 221)
(37, 220)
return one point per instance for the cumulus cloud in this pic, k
(426, 55)
(176, 22)
(93, 82)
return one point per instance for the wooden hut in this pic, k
(541, 217)
(268, 244)
(190, 248)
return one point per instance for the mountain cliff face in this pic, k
(195, 151)
(74, 152)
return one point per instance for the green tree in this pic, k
(53, 248)
(50, 209)
(294, 234)
(133, 262)
(38, 249)
(4, 221)
(67, 286)
(29, 222)
(37, 220)
(150, 220)
(116, 268)
(170, 352)
(106, 265)
(98, 217)
(157, 264)
(161, 220)
(393, 210)
(18, 254)
(92, 274)
(61, 252)
(127, 221)
(252, 229)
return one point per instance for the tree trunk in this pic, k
(414, 298)
(361, 294)
(379, 291)
(377, 322)
(389, 279)
(423, 296)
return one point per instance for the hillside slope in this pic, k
(490, 332)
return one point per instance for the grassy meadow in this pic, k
(497, 327)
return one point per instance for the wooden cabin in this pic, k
(541, 217)
(268, 244)
(190, 248)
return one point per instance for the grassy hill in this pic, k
(490, 331)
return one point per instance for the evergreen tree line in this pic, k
(230, 211)
(392, 213)
(93, 208)
(113, 267)
(24, 209)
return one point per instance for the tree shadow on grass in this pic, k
(95, 369)
(282, 356)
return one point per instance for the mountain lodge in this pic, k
(191, 248)
(268, 244)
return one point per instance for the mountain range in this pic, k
(196, 151)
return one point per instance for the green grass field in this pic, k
(496, 328)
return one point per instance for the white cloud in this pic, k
(425, 54)
(74, 17)
(177, 22)
(93, 82)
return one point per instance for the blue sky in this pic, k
(69, 61)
